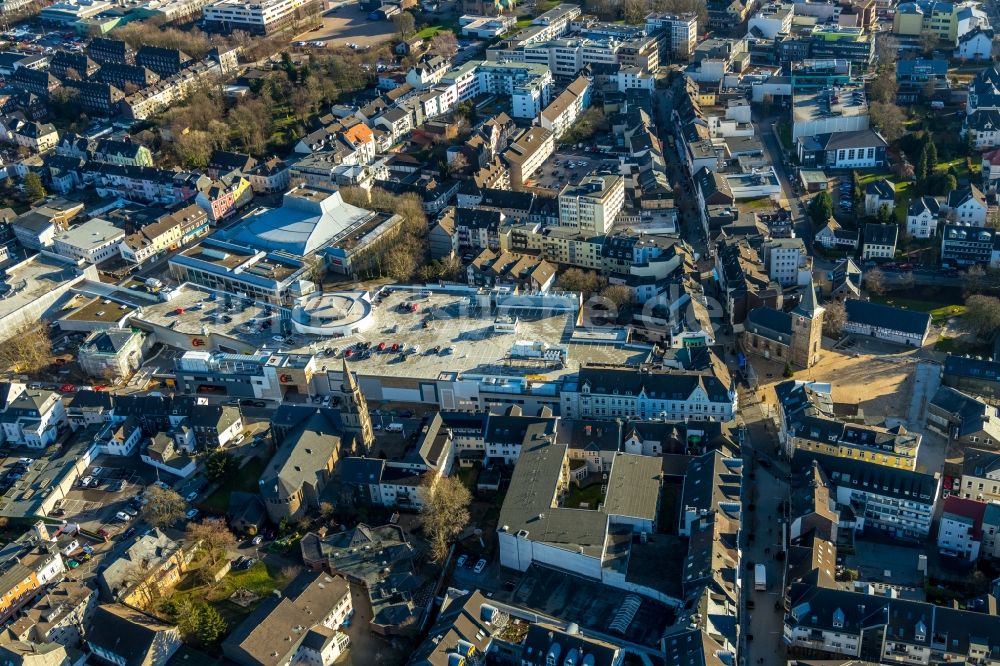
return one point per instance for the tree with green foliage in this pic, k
(788, 371)
(219, 464)
(923, 167)
(820, 208)
(33, 187)
(200, 622)
(883, 216)
(932, 153)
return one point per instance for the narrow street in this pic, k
(802, 225)
(765, 479)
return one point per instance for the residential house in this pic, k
(527, 152)
(223, 162)
(57, 616)
(980, 475)
(164, 61)
(898, 502)
(879, 241)
(967, 207)
(128, 153)
(224, 197)
(975, 376)
(808, 424)
(977, 44)
(963, 418)
(127, 637)
(170, 451)
(960, 532)
(33, 418)
(991, 532)
(465, 626)
(787, 261)
(119, 439)
(885, 322)
(962, 246)
(983, 125)
(146, 571)
(622, 392)
(832, 236)
(884, 627)
(38, 137)
(215, 426)
(442, 238)
(879, 194)
(269, 177)
(922, 216)
(299, 626)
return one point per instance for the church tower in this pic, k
(354, 413)
(807, 329)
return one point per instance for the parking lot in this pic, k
(843, 196)
(94, 507)
(348, 23)
(568, 167)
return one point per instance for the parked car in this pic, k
(480, 565)
(191, 496)
(460, 562)
(123, 517)
(257, 540)
(192, 514)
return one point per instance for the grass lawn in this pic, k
(591, 495)
(469, 476)
(431, 30)
(524, 22)
(938, 311)
(259, 579)
(245, 480)
(904, 190)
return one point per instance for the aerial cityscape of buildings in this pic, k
(450, 333)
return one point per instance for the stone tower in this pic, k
(807, 329)
(354, 413)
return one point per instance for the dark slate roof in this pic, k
(882, 188)
(887, 316)
(770, 320)
(881, 234)
(475, 218)
(866, 138)
(925, 203)
(974, 368)
(125, 632)
(870, 477)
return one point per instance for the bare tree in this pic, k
(887, 119)
(974, 279)
(444, 44)
(445, 514)
(458, 165)
(619, 294)
(213, 537)
(928, 41)
(28, 351)
(982, 316)
(875, 280)
(163, 506)
(834, 318)
(404, 23)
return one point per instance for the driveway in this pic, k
(367, 648)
